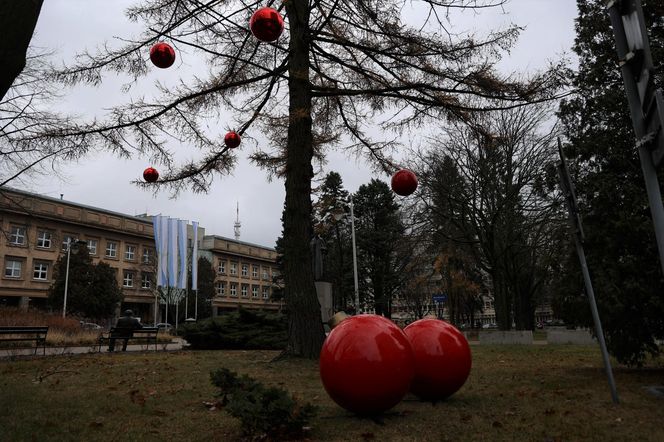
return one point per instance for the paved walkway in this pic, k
(175, 344)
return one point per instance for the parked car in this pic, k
(165, 326)
(491, 326)
(90, 326)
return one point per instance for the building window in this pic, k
(44, 239)
(146, 280)
(254, 291)
(130, 252)
(221, 289)
(13, 268)
(245, 290)
(17, 236)
(147, 255)
(245, 269)
(40, 271)
(234, 289)
(265, 273)
(92, 246)
(222, 267)
(128, 279)
(233, 268)
(266, 293)
(111, 249)
(254, 271)
(66, 240)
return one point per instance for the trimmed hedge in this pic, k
(239, 330)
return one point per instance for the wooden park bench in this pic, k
(17, 333)
(145, 335)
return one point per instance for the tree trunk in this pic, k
(17, 21)
(305, 327)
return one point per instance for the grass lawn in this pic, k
(531, 393)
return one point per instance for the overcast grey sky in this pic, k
(70, 26)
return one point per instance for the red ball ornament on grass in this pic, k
(404, 182)
(442, 358)
(366, 364)
(232, 140)
(162, 55)
(150, 175)
(266, 24)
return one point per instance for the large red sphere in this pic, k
(162, 55)
(442, 358)
(366, 364)
(150, 175)
(266, 24)
(232, 140)
(404, 182)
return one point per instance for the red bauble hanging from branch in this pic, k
(232, 140)
(266, 24)
(150, 175)
(404, 182)
(162, 55)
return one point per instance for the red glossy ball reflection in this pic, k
(366, 364)
(404, 182)
(150, 175)
(442, 358)
(266, 24)
(232, 140)
(162, 55)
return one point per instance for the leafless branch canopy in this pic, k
(366, 61)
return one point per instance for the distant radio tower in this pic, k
(237, 224)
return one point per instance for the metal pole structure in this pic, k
(352, 231)
(64, 304)
(156, 308)
(575, 222)
(186, 304)
(636, 67)
(196, 305)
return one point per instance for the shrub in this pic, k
(242, 329)
(264, 412)
(61, 331)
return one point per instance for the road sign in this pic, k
(438, 298)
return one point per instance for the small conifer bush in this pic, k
(265, 412)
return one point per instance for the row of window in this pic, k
(128, 278)
(17, 237)
(220, 288)
(232, 270)
(14, 268)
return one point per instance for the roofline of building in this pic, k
(110, 212)
(71, 203)
(272, 249)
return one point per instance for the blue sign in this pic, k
(440, 297)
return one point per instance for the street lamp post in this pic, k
(352, 234)
(337, 217)
(69, 250)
